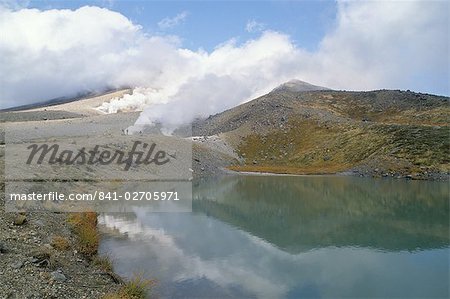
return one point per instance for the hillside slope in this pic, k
(380, 133)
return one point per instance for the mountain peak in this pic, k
(298, 86)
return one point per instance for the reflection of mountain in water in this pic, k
(250, 237)
(301, 213)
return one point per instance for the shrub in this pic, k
(60, 243)
(104, 262)
(85, 227)
(135, 288)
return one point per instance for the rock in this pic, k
(40, 257)
(20, 220)
(3, 248)
(58, 276)
(17, 265)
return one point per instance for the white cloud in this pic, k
(47, 54)
(168, 23)
(254, 26)
(387, 44)
(54, 53)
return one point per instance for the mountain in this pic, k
(298, 86)
(379, 133)
(82, 95)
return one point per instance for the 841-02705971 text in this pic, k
(139, 195)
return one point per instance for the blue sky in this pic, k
(210, 23)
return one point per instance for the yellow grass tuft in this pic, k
(104, 262)
(136, 288)
(85, 227)
(60, 243)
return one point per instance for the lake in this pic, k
(291, 237)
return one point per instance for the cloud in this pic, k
(168, 23)
(53, 53)
(398, 44)
(254, 26)
(48, 54)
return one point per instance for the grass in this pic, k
(84, 225)
(60, 243)
(310, 147)
(104, 263)
(306, 147)
(423, 146)
(135, 288)
(439, 116)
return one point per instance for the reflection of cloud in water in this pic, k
(224, 271)
(192, 251)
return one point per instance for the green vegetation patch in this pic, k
(309, 146)
(424, 146)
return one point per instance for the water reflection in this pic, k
(291, 237)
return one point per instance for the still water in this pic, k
(291, 237)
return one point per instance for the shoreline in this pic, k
(432, 178)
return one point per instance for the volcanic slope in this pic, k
(315, 131)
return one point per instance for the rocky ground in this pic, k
(32, 265)
(39, 259)
(211, 155)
